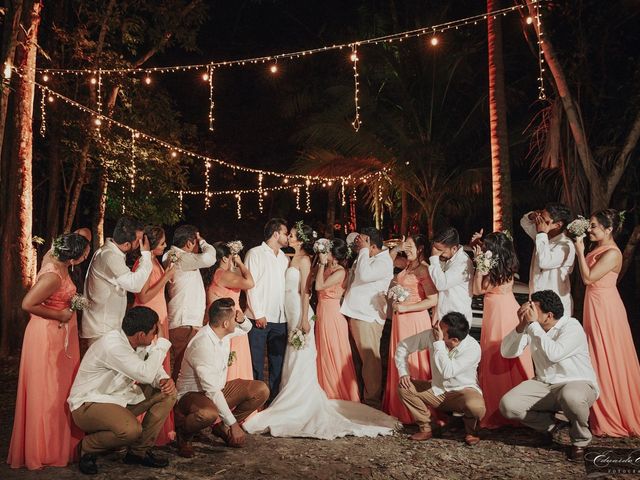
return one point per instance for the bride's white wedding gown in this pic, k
(302, 409)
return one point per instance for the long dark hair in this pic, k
(222, 251)
(507, 261)
(304, 233)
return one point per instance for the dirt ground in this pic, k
(504, 453)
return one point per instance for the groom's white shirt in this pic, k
(452, 279)
(107, 283)
(551, 264)
(205, 364)
(266, 298)
(366, 296)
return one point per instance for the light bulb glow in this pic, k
(529, 20)
(434, 41)
(273, 68)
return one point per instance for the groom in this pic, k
(265, 302)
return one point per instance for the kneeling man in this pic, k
(203, 391)
(120, 377)
(565, 379)
(454, 386)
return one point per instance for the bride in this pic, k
(302, 409)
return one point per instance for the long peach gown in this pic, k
(43, 432)
(336, 372)
(159, 305)
(241, 367)
(405, 325)
(497, 374)
(616, 413)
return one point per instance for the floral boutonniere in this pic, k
(232, 358)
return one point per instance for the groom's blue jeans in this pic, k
(274, 337)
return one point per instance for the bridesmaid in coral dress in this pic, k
(336, 372)
(498, 375)
(409, 318)
(43, 433)
(152, 296)
(616, 413)
(226, 278)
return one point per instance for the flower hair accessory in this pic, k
(507, 233)
(622, 215)
(485, 261)
(59, 247)
(300, 233)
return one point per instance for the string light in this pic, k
(308, 197)
(132, 169)
(434, 41)
(45, 78)
(205, 76)
(99, 98)
(238, 206)
(147, 79)
(6, 72)
(211, 104)
(50, 98)
(529, 20)
(180, 207)
(342, 193)
(542, 95)
(260, 193)
(43, 113)
(297, 191)
(354, 58)
(207, 193)
(273, 68)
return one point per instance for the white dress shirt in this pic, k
(451, 370)
(107, 283)
(369, 280)
(453, 279)
(551, 264)
(266, 298)
(204, 367)
(111, 370)
(560, 355)
(187, 296)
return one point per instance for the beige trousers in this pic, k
(180, 338)
(535, 403)
(420, 397)
(366, 336)
(110, 426)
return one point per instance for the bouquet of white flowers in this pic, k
(485, 261)
(398, 293)
(172, 256)
(322, 245)
(235, 247)
(79, 302)
(297, 339)
(578, 228)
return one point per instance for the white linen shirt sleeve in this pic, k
(195, 261)
(414, 343)
(370, 271)
(514, 344)
(242, 328)
(133, 281)
(256, 296)
(528, 225)
(451, 367)
(563, 253)
(458, 273)
(570, 341)
(122, 358)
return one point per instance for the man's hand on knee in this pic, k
(405, 382)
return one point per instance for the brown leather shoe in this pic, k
(575, 454)
(185, 448)
(471, 440)
(421, 436)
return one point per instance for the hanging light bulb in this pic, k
(174, 154)
(45, 78)
(529, 20)
(93, 80)
(147, 79)
(273, 68)
(286, 180)
(98, 122)
(205, 76)
(434, 41)
(50, 98)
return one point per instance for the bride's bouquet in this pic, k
(398, 293)
(298, 339)
(578, 228)
(235, 247)
(322, 245)
(485, 261)
(172, 257)
(79, 302)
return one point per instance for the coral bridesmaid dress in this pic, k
(616, 413)
(336, 372)
(159, 305)
(405, 325)
(241, 367)
(43, 432)
(497, 374)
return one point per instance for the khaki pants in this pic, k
(535, 403)
(366, 336)
(196, 411)
(110, 426)
(420, 396)
(180, 338)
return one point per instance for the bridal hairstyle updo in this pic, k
(340, 251)
(222, 251)
(70, 246)
(304, 233)
(610, 218)
(502, 249)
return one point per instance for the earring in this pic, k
(72, 265)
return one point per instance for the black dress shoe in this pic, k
(149, 460)
(87, 464)
(575, 454)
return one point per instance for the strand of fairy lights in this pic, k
(394, 37)
(297, 192)
(354, 58)
(260, 193)
(207, 193)
(209, 77)
(542, 95)
(307, 197)
(239, 205)
(43, 113)
(132, 167)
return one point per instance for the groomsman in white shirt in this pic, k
(454, 357)
(565, 379)
(451, 270)
(109, 279)
(204, 395)
(554, 253)
(187, 296)
(121, 377)
(365, 303)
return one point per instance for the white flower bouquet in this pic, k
(297, 339)
(172, 256)
(322, 245)
(485, 261)
(578, 228)
(79, 302)
(398, 293)
(235, 247)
